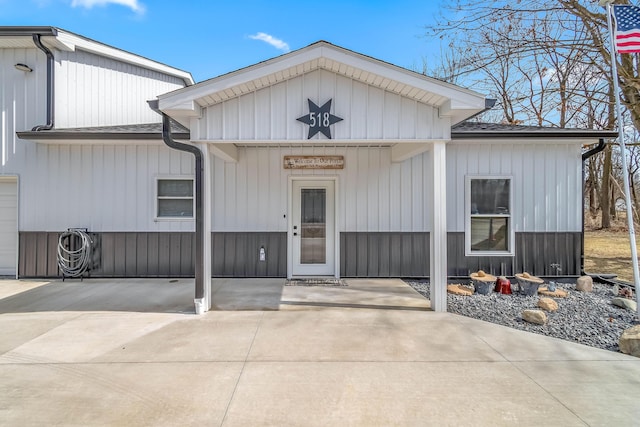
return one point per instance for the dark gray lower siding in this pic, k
(237, 254)
(154, 254)
(384, 254)
(121, 254)
(534, 253)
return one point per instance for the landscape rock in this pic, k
(587, 318)
(547, 304)
(584, 284)
(630, 341)
(459, 290)
(534, 316)
(558, 293)
(627, 303)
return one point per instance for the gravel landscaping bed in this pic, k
(585, 318)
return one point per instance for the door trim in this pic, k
(336, 228)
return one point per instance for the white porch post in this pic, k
(206, 222)
(438, 238)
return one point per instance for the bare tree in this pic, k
(547, 62)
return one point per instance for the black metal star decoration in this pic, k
(319, 119)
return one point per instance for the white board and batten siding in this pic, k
(369, 113)
(99, 187)
(8, 225)
(546, 182)
(93, 90)
(373, 193)
(21, 95)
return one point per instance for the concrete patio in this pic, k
(131, 352)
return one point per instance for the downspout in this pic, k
(199, 261)
(50, 93)
(595, 150)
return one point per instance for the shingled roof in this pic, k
(138, 131)
(471, 129)
(464, 130)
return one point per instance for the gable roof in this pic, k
(453, 101)
(56, 38)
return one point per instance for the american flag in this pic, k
(627, 32)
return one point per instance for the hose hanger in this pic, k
(74, 252)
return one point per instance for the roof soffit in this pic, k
(322, 56)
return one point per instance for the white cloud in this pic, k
(88, 4)
(277, 43)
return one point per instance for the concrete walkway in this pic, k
(131, 353)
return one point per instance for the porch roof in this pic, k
(451, 100)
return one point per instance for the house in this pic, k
(319, 162)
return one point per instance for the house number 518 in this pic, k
(319, 118)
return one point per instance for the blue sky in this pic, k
(209, 38)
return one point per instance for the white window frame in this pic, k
(468, 215)
(157, 197)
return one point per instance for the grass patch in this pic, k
(609, 252)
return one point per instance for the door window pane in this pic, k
(313, 206)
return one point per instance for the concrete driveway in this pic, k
(130, 352)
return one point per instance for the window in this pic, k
(175, 198)
(489, 228)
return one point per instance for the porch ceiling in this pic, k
(322, 63)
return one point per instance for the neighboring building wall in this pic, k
(22, 103)
(89, 91)
(92, 90)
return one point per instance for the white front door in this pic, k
(313, 228)
(8, 226)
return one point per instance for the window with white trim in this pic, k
(488, 221)
(174, 198)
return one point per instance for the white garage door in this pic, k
(8, 225)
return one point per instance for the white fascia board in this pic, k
(461, 96)
(183, 112)
(459, 111)
(71, 42)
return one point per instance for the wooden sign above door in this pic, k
(314, 162)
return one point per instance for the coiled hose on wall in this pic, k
(74, 252)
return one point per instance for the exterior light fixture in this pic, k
(23, 67)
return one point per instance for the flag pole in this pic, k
(623, 156)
